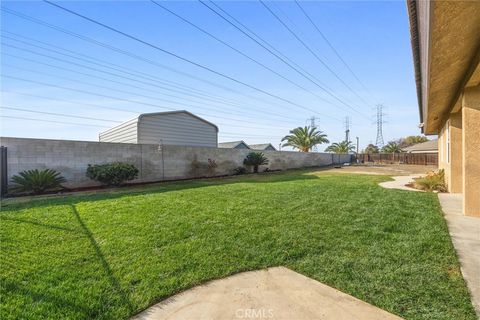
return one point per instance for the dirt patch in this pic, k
(387, 169)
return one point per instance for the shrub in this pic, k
(195, 166)
(199, 168)
(255, 159)
(211, 166)
(239, 170)
(433, 181)
(112, 174)
(37, 181)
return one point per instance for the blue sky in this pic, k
(106, 87)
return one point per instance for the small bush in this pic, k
(112, 174)
(211, 167)
(37, 181)
(202, 169)
(240, 170)
(255, 159)
(433, 181)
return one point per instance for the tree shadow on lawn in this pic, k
(101, 258)
(39, 224)
(14, 287)
(169, 186)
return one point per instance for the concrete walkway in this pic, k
(400, 182)
(274, 293)
(465, 234)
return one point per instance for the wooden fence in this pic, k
(404, 158)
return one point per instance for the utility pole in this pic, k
(347, 129)
(379, 141)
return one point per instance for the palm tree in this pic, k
(341, 147)
(255, 159)
(392, 147)
(304, 139)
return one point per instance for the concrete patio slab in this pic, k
(274, 293)
(465, 234)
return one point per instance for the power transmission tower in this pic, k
(379, 142)
(347, 129)
(312, 120)
(313, 124)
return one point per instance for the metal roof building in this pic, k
(169, 128)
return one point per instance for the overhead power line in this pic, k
(186, 90)
(199, 65)
(132, 55)
(56, 114)
(53, 121)
(332, 47)
(281, 59)
(85, 58)
(266, 43)
(123, 110)
(181, 104)
(96, 125)
(239, 51)
(72, 116)
(113, 97)
(85, 104)
(70, 102)
(306, 46)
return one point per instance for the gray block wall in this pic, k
(155, 162)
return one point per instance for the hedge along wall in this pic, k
(155, 162)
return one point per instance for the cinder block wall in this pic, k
(155, 162)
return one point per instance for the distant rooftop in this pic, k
(262, 146)
(431, 145)
(233, 144)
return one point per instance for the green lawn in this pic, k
(111, 255)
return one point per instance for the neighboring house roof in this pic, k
(234, 145)
(262, 146)
(428, 146)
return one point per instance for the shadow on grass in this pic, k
(15, 288)
(39, 224)
(57, 300)
(108, 270)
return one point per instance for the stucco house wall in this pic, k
(445, 41)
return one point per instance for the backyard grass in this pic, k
(111, 255)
